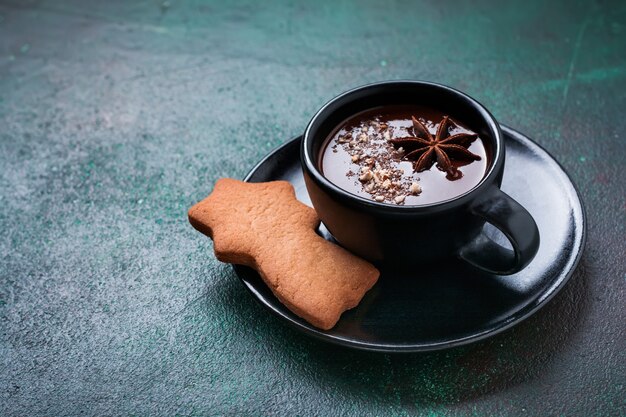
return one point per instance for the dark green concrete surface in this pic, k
(116, 116)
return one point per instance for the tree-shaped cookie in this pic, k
(265, 227)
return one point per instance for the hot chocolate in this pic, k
(404, 155)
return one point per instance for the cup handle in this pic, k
(515, 222)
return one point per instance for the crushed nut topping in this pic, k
(369, 147)
(415, 188)
(404, 155)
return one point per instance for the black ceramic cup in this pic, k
(411, 235)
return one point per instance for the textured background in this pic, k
(116, 116)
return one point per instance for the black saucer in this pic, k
(428, 308)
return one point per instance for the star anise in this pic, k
(423, 149)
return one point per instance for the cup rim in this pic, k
(314, 172)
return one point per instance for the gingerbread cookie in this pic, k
(265, 227)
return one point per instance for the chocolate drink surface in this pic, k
(404, 155)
